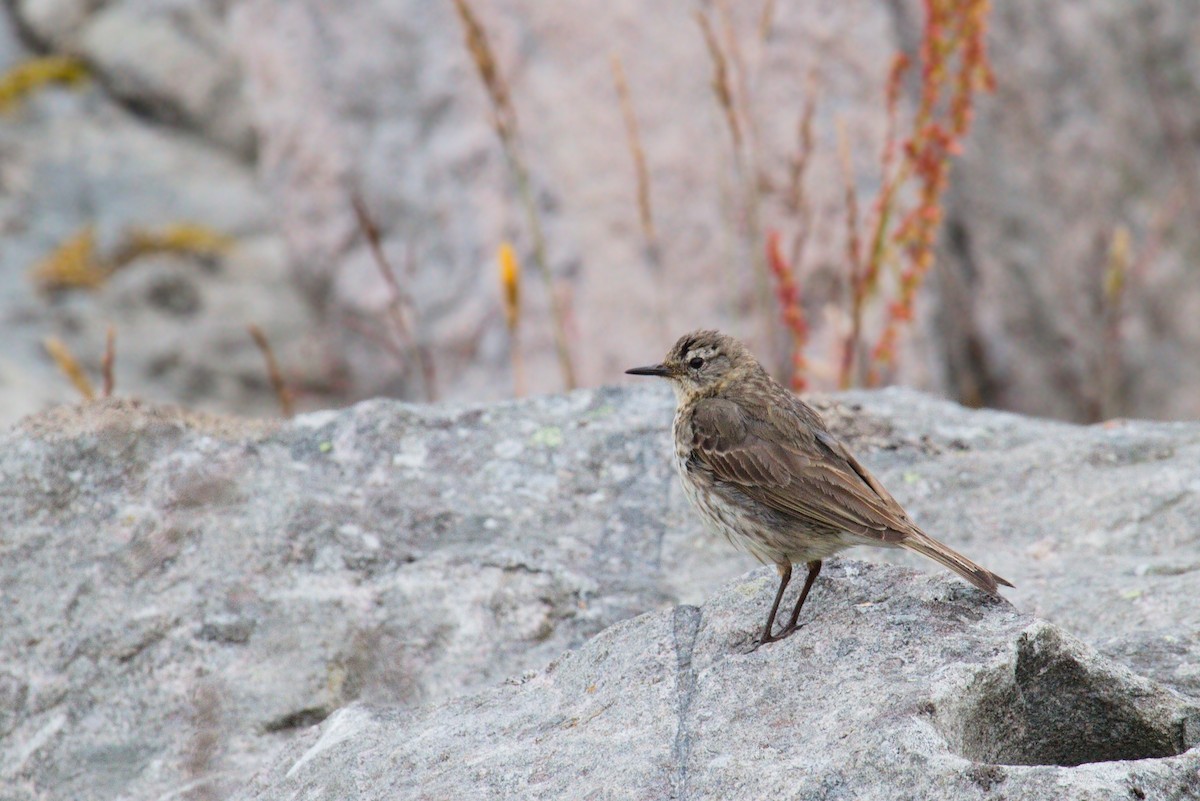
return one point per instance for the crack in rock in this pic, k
(685, 629)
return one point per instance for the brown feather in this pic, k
(801, 471)
(764, 471)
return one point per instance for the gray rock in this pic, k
(1094, 524)
(72, 158)
(897, 687)
(1020, 320)
(168, 59)
(53, 21)
(183, 595)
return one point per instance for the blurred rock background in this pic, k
(259, 120)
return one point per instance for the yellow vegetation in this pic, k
(185, 238)
(73, 264)
(25, 78)
(510, 283)
(1118, 264)
(76, 264)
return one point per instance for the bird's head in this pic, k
(701, 363)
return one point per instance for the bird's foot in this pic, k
(782, 634)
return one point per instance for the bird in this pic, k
(762, 469)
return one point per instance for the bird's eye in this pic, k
(696, 363)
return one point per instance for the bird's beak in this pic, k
(654, 369)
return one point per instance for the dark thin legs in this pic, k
(785, 575)
(814, 570)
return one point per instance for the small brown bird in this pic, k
(762, 469)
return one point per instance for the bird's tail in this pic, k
(981, 577)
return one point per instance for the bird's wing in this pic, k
(794, 469)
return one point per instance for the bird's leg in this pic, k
(814, 569)
(785, 575)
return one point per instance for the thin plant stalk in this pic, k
(866, 267)
(504, 121)
(109, 360)
(400, 308)
(797, 197)
(745, 165)
(766, 20)
(954, 35)
(854, 257)
(1116, 277)
(645, 207)
(69, 366)
(282, 391)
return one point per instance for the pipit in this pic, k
(763, 470)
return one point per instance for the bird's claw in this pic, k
(782, 634)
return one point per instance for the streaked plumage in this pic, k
(764, 471)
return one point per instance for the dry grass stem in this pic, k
(766, 20)
(282, 391)
(1123, 271)
(1116, 275)
(69, 366)
(720, 81)
(480, 50)
(371, 331)
(796, 198)
(892, 178)
(1163, 220)
(557, 311)
(633, 135)
(504, 120)
(858, 287)
(109, 361)
(752, 178)
(645, 208)
(745, 155)
(401, 311)
(741, 79)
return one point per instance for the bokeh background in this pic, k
(180, 171)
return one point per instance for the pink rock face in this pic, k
(383, 96)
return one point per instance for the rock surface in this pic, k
(181, 595)
(72, 158)
(170, 60)
(1031, 220)
(897, 687)
(1094, 524)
